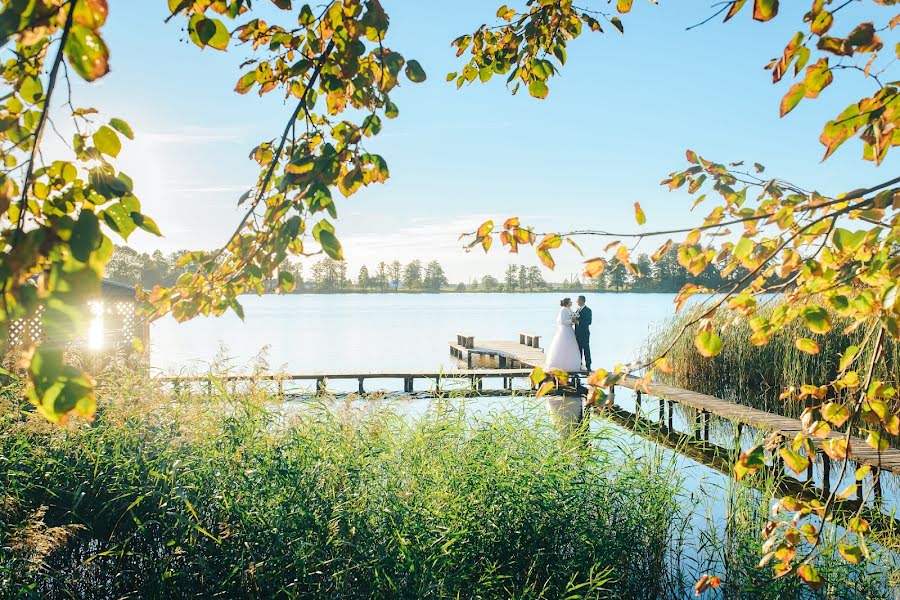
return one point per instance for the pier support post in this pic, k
(320, 385)
(469, 359)
(698, 425)
(809, 467)
(706, 417)
(501, 361)
(362, 389)
(876, 484)
(662, 412)
(637, 403)
(826, 474)
(671, 408)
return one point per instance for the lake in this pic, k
(379, 332)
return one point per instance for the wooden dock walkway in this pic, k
(526, 352)
(321, 379)
(859, 451)
(531, 355)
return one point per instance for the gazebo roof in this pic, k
(116, 290)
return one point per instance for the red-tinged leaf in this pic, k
(691, 157)
(639, 215)
(511, 223)
(792, 98)
(822, 23)
(546, 259)
(87, 53)
(736, 5)
(550, 241)
(661, 251)
(836, 448)
(765, 10)
(749, 462)
(810, 576)
(707, 582)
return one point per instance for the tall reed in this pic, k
(756, 375)
(199, 497)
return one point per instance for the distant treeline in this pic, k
(328, 275)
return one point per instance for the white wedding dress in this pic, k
(563, 353)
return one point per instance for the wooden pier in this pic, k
(530, 354)
(526, 352)
(438, 379)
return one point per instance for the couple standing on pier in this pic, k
(572, 339)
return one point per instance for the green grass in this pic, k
(201, 498)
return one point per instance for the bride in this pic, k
(564, 353)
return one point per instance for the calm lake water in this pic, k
(410, 332)
(380, 332)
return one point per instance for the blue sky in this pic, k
(617, 121)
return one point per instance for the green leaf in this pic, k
(848, 356)
(708, 343)
(208, 32)
(122, 127)
(331, 245)
(617, 23)
(286, 281)
(817, 319)
(538, 89)
(371, 125)
(390, 110)
(118, 219)
(107, 141)
(146, 223)
(87, 53)
(415, 72)
(85, 236)
(32, 90)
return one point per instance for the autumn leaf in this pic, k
(639, 214)
(708, 343)
(807, 345)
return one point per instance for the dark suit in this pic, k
(583, 335)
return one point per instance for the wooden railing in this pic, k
(475, 376)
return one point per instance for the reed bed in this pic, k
(241, 496)
(756, 375)
(225, 497)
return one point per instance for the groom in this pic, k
(583, 331)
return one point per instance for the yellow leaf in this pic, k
(807, 345)
(594, 267)
(639, 214)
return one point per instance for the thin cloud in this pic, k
(212, 189)
(192, 135)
